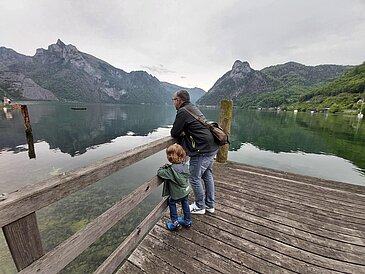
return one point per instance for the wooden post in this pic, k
(24, 241)
(25, 114)
(28, 132)
(225, 119)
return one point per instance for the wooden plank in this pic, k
(292, 190)
(217, 257)
(244, 242)
(316, 182)
(294, 187)
(149, 262)
(291, 219)
(130, 243)
(24, 241)
(55, 260)
(310, 205)
(287, 256)
(174, 256)
(205, 244)
(228, 213)
(33, 197)
(129, 268)
(232, 219)
(321, 220)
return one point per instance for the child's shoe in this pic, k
(173, 226)
(184, 223)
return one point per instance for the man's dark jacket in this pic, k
(198, 138)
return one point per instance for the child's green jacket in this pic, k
(176, 180)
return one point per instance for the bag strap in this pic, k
(200, 119)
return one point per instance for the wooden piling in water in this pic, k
(25, 113)
(28, 131)
(225, 120)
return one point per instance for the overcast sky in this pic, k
(191, 42)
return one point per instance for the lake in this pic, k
(328, 146)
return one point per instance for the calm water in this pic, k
(326, 146)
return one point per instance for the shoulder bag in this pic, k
(220, 137)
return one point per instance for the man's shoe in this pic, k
(184, 223)
(209, 209)
(194, 209)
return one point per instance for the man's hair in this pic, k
(183, 95)
(175, 154)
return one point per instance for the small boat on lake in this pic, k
(79, 108)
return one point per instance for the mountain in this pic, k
(270, 87)
(62, 72)
(241, 80)
(195, 93)
(344, 93)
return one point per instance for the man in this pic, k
(199, 144)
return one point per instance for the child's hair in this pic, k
(175, 154)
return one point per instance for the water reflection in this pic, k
(76, 132)
(287, 132)
(73, 132)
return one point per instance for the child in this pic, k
(176, 185)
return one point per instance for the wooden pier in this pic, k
(266, 221)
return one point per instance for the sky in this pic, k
(191, 43)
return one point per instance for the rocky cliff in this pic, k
(244, 85)
(65, 73)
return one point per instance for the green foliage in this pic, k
(334, 108)
(338, 95)
(295, 86)
(281, 97)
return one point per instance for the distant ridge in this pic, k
(195, 93)
(247, 87)
(62, 72)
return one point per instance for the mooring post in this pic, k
(28, 131)
(225, 120)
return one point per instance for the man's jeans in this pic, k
(185, 206)
(200, 167)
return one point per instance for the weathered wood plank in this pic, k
(129, 268)
(229, 223)
(215, 256)
(329, 210)
(290, 257)
(252, 243)
(33, 197)
(258, 224)
(24, 241)
(316, 182)
(55, 260)
(149, 262)
(293, 191)
(130, 243)
(174, 256)
(292, 219)
(348, 198)
(318, 219)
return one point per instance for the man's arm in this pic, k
(178, 126)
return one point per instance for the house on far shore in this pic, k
(6, 100)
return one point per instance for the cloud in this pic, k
(160, 69)
(197, 39)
